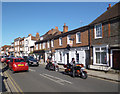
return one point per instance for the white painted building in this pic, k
(64, 56)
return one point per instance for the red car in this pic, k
(18, 64)
(3, 59)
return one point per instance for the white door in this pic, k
(82, 57)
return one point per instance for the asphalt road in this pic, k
(38, 79)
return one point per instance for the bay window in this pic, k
(100, 55)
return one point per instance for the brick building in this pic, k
(105, 39)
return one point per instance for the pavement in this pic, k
(110, 75)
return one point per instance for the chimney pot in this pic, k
(56, 27)
(65, 28)
(109, 6)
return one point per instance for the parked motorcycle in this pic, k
(76, 70)
(52, 66)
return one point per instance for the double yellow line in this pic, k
(14, 84)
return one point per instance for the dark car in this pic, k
(31, 61)
(7, 60)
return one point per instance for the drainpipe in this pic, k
(88, 63)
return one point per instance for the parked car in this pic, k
(31, 61)
(18, 64)
(52, 66)
(7, 60)
(3, 58)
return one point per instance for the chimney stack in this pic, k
(56, 27)
(109, 7)
(65, 28)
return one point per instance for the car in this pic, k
(18, 64)
(7, 60)
(31, 61)
(3, 58)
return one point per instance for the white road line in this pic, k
(58, 78)
(32, 70)
(51, 79)
(1, 74)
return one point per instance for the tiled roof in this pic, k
(114, 11)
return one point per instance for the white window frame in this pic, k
(97, 31)
(60, 41)
(94, 55)
(43, 45)
(52, 43)
(68, 39)
(40, 46)
(36, 46)
(78, 38)
(48, 44)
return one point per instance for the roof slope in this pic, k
(114, 11)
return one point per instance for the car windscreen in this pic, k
(19, 60)
(31, 57)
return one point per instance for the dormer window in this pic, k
(98, 31)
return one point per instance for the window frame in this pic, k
(60, 41)
(78, 38)
(52, 43)
(97, 31)
(68, 39)
(48, 44)
(100, 51)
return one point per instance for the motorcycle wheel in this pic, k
(73, 73)
(56, 69)
(84, 75)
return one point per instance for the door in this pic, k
(67, 58)
(116, 60)
(82, 57)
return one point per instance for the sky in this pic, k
(22, 18)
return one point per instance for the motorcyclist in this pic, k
(48, 62)
(72, 63)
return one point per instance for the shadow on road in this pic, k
(5, 68)
(3, 84)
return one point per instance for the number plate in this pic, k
(20, 64)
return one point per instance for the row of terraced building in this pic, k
(96, 45)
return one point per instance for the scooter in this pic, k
(76, 70)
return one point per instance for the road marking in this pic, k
(15, 83)
(51, 79)
(55, 79)
(1, 74)
(12, 83)
(32, 70)
(59, 78)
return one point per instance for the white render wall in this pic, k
(72, 54)
(27, 43)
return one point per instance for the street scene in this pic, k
(37, 54)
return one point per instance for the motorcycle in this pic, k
(52, 66)
(76, 70)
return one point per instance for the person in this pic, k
(72, 63)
